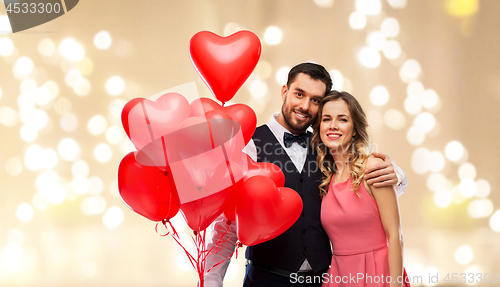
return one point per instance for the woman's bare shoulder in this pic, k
(371, 161)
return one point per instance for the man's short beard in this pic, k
(288, 121)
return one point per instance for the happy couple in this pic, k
(350, 200)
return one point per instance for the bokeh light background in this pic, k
(426, 72)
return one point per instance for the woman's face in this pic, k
(336, 127)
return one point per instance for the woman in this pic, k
(361, 220)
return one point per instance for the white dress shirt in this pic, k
(227, 244)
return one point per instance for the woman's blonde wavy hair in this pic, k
(360, 148)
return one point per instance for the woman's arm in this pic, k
(387, 202)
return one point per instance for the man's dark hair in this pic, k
(315, 71)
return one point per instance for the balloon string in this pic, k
(164, 151)
(156, 229)
(172, 227)
(238, 245)
(219, 241)
(175, 236)
(169, 200)
(230, 172)
(147, 120)
(228, 164)
(199, 240)
(202, 260)
(228, 225)
(211, 135)
(190, 257)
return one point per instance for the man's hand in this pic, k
(381, 174)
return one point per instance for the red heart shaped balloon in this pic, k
(264, 211)
(224, 63)
(200, 213)
(144, 120)
(266, 169)
(241, 113)
(201, 146)
(146, 190)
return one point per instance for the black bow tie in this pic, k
(301, 139)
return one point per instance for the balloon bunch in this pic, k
(189, 155)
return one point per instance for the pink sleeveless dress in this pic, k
(360, 247)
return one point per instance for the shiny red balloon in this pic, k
(226, 132)
(230, 211)
(266, 169)
(264, 211)
(149, 123)
(146, 190)
(202, 145)
(241, 113)
(224, 63)
(200, 213)
(217, 115)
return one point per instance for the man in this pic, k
(303, 251)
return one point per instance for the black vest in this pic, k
(306, 238)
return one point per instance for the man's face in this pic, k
(301, 103)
